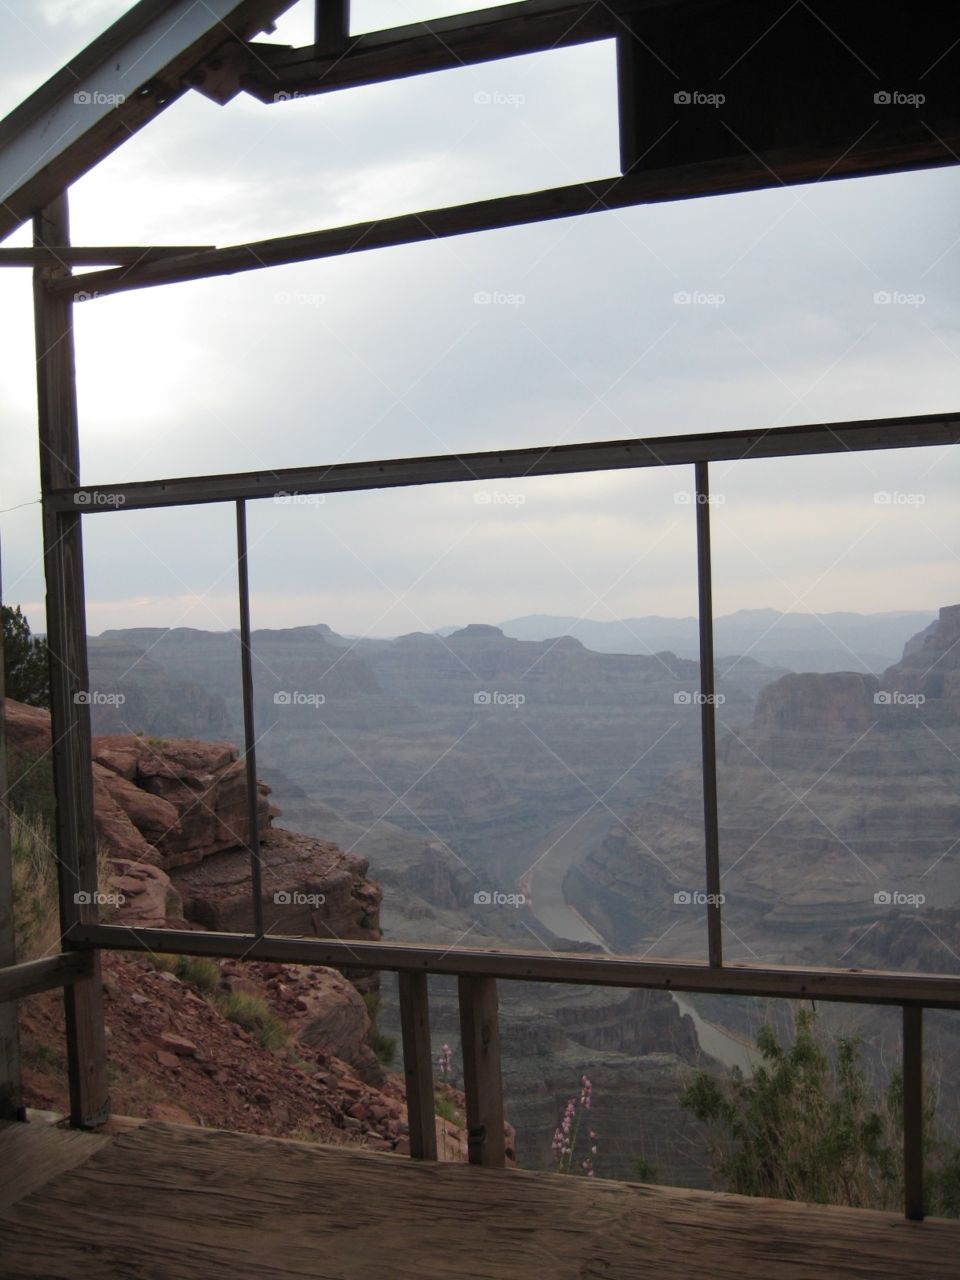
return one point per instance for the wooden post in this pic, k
(913, 1111)
(69, 683)
(331, 26)
(482, 1084)
(708, 722)
(418, 1064)
(11, 1103)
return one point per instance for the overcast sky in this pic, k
(396, 353)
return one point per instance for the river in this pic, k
(543, 885)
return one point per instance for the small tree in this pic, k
(26, 675)
(806, 1127)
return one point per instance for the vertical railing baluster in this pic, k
(331, 26)
(482, 1082)
(418, 1064)
(708, 722)
(913, 1111)
(249, 738)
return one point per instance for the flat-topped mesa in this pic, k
(840, 702)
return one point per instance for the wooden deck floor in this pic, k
(166, 1202)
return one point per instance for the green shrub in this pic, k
(199, 972)
(254, 1014)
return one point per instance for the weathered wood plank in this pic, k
(33, 1153)
(19, 980)
(69, 680)
(84, 256)
(482, 1083)
(265, 1209)
(853, 986)
(418, 1064)
(503, 464)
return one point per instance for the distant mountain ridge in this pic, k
(842, 641)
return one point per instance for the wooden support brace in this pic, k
(418, 1065)
(482, 1083)
(69, 683)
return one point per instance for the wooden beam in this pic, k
(67, 255)
(464, 39)
(482, 1083)
(781, 982)
(331, 27)
(506, 464)
(46, 974)
(913, 1106)
(715, 177)
(418, 1065)
(69, 682)
(11, 1097)
(109, 91)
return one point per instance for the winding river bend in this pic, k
(543, 885)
